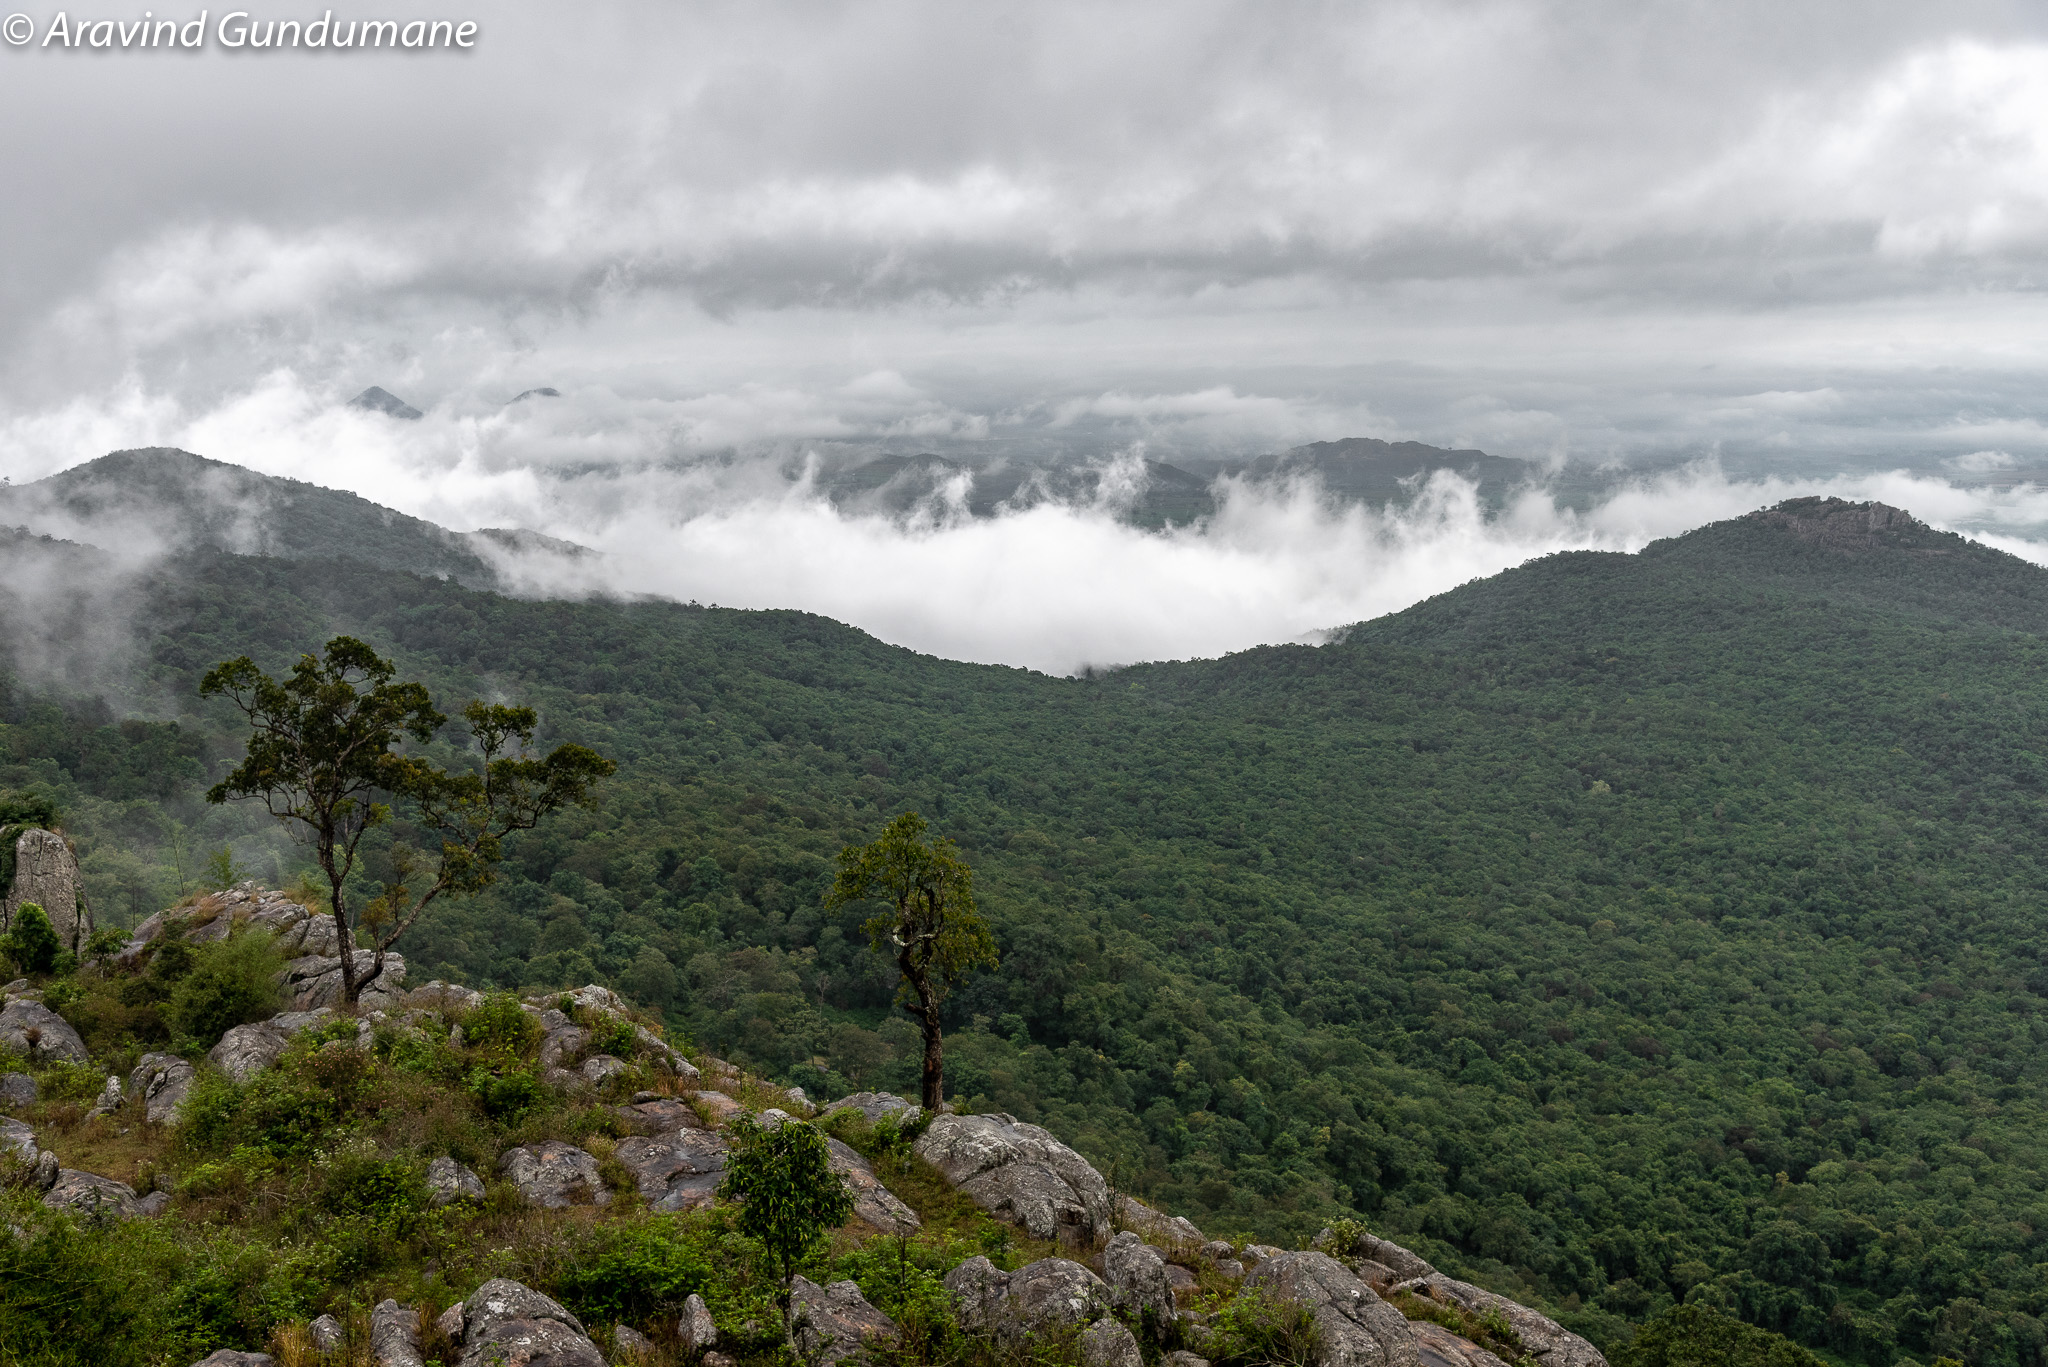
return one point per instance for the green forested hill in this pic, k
(1620, 929)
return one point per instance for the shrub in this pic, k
(635, 1270)
(33, 942)
(74, 1294)
(497, 1025)
(614, 1035)
(1254, 1329)
(229, 983)
(1700, 1336)
(508, 1093)
(784, 1175)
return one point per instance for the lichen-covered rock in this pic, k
(631, 1344)
(835, 1322)
(1369, 1247)
(555, 1175)
(1183, 1358)
(721, 1106)
(90, 1195)
(447, 997)
(314, 981)
(17, 1091)
(18, 1140)
(163, 1081)
(599, 1069)
(325, 1333)
(1051, 1293)
(1355, 1327)
(664, 1055)
(150, 1206)
(395, 1335)
(679, 1170)
(1437, 1346)
(247, 1050)
(873, 1204)
(1020, 1173)
(30, 1028)
(1106, 1343)
(695, 1331)
(505, 1324)
(449, 1181)
(877, 1106)
(46, 873)
(1549, 1342)
(110, 1099)
(1172, 1230)
(657, 1115)
(449, 1322)
(299, 930)
(1136, 1275)
(229, 1357)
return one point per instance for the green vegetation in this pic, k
(32, 944)
(789, 1196)
(1621, 932)
(929, 925)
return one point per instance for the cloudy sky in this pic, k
(1800, 243)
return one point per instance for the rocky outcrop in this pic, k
(1836, 524)
(1171, 1230)
(109, 1100)
(90, 1195)
(163, 1081)
(1437, 1346)
(554, 1175)
(30, 1028)
(46, 873)
(1355, 1327)
(300, 930)
(1107, 1343)
(1136, 1275)
(395, 1335)
(1020, 1173)
(17, 1091)
(326, 1334)
(448, 1181)
(679, 1170)
(1052, 1293)
(696, 1332)
(835, 1322)
(651, 1114)
(315, 981)
(228, 1357)
(876, 1106)
(874, 1205)
(505, 1324)
(247, 1050)
(1545, 1340)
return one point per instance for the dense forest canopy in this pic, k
(1620, 930)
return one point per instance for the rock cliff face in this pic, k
(1838, 525)
(46, 873)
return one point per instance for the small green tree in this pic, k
(931, 925)
(33, 942)
(791, 1197)
(322, 754)
(222, 872)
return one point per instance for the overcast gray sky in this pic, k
(1806, 237)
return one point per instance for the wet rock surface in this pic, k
(835, 1322)
(1020, 1173)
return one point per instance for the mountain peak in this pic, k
(376, 400)
(1837, 524)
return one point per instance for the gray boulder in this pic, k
(599, 1069)
(1369, 1247)
(228, 1357)
(1547, 1341)
(449, 1181)
(163, 1081)
(1136, 1275)
(679, 1170)
(17, 1091)
(876, 1106)
(1020, 1173)
(1106, 1343)
(91, 1195)
(449, 1322)
(505, 1323)
(30, 1028)
(555, 1175)
(1356, 1327)
(445, 997)
(46, 873)
(835, 1322)
(325, 1332)
(873, 1204)
(1183, 1358)
(1052, 1293)
(247, 1050)
(696, 1332)
(630, 1344)
(1439, 1347)
(1172, 1230)
(110, 1099)
(657, 1115)
(395, 1335)
(18, 1140)
(152, 1205)
(314, 980)
(665, 1056)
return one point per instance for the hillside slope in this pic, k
(1618, 930)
